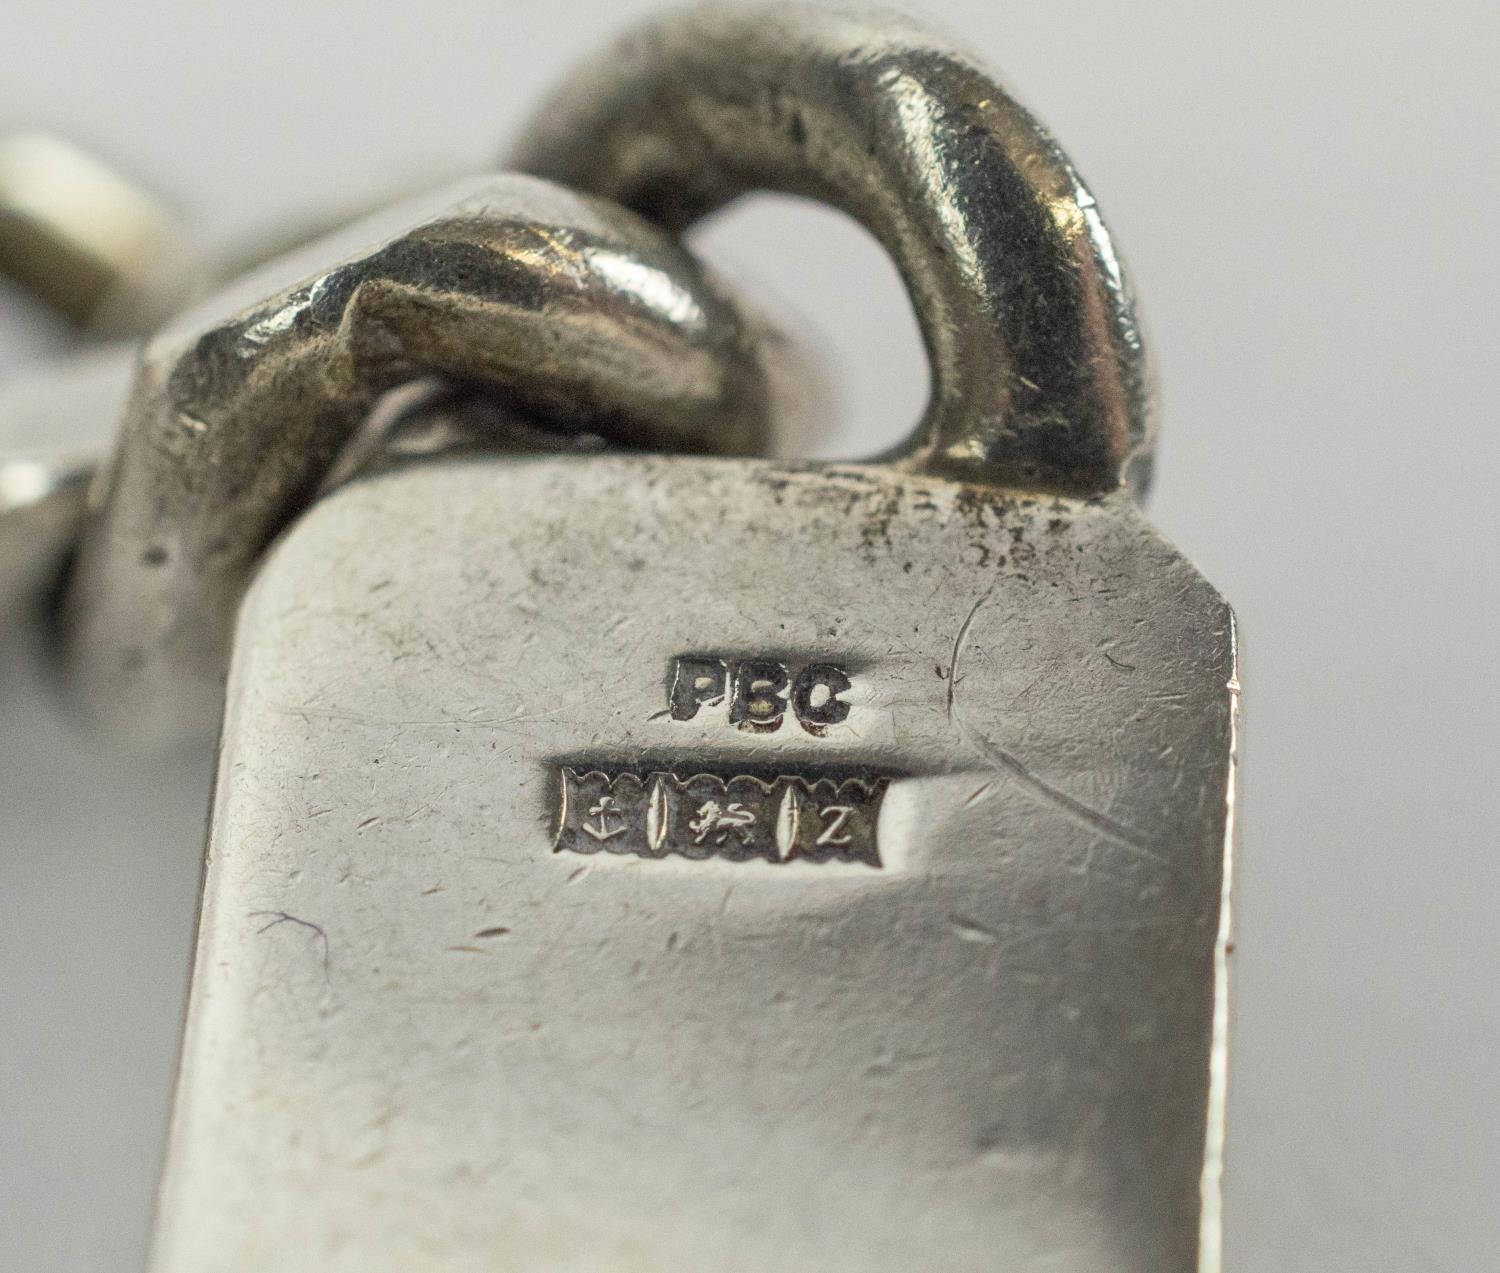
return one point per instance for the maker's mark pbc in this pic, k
(758, 693)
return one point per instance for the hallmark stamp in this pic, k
(697, 816)
(759, 692)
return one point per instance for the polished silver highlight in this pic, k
(1039, 377)
(562, 305)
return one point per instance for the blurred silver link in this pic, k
(1038, 370)
(567, 308)
(54, 422)
(98, 250)
(86, 241)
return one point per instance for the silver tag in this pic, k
(462, 999)
(681, 864)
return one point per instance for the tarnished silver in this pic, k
(97, 250)
(565, 306)
(1039, 376)
(558, 918)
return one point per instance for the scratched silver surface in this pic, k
(558, 304)
(1324, 381)
(993, 1052)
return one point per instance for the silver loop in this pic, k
(85, 241)
(565, 307)
(1039, 375)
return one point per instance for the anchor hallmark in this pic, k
(606, 805)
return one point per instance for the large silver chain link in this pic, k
(569, 310)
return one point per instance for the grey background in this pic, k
(1306, 194)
